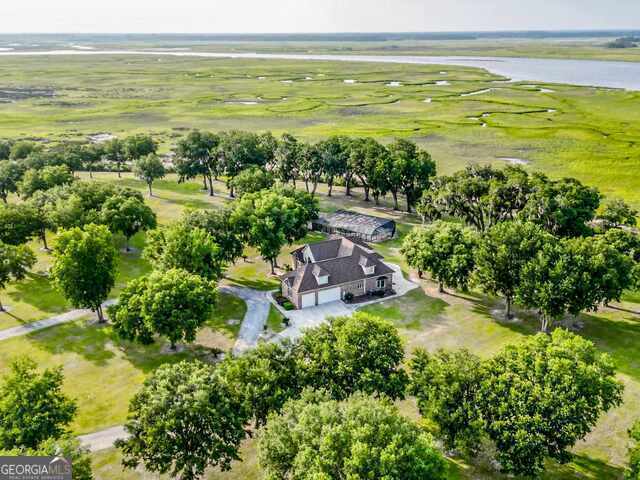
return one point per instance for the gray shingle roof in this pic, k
(343, 268)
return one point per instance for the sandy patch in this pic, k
(515, 160)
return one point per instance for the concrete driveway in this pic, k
(313, 316)
(258, 306)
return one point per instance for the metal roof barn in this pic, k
(358, 225)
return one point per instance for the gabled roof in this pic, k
(345, 265)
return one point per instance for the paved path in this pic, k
(103, 439)
(258, 306)
(66, 317)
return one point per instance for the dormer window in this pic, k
(322, 276)
(368, 267)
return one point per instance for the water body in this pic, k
(596, 73)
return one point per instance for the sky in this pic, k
(286, 16)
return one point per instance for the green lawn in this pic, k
(274, 320)
(592, 134)
(102, 372)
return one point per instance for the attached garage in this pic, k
(308, 300)
(329, 295)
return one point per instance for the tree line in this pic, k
(400, 168)
(529, 239)
(329, 395)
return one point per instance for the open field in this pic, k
(588, 133)
(592, 134)
(102, 372)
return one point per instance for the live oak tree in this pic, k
(350, 354)
(127, 216)
(10, 175)
(446, 385)
(265, 377)
(311, 167)
(540, 397)
(617, 213)
(467, 195)
(218, 224)
(334, 154)
(5, 149)
(19, 223)
(445, 250)
(127, 317)
(563, 207)
(149, 169)
(287, 159)
(240, 150)
(251, 180)
(173, 304)
(185, 247)
(138, 146)
(22, 149)
(574, 275)
(364, 154)
(362, 437)
(268, 220)
(44, 179)
(33, 407)
(84, 266)
(199, 154)
(483, 196)
(546, 283)
(15, 262)
(53, 209)
(89, 155)
(114, 151)
(184, 420)
(412, 170)
(307, 210)
(600, 271)
(502, 253)
(624, 241)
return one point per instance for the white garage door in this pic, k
(330, 295)
(308, 300)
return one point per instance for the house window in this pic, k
(359, 285)
(380, 283)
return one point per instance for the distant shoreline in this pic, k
(586, 73)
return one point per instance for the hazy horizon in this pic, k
(312, 16)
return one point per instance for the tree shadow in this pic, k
(265, 285)
(622, 309)
(99, 345)
(580, 467)
(619, 337)
(93, 342)
(38, 291)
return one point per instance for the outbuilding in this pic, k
(358, 225)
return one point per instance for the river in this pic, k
(595, 73)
